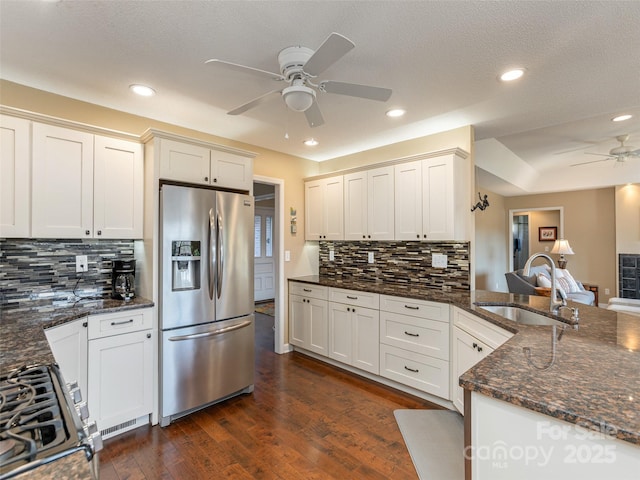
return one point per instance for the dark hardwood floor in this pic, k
(305, 420)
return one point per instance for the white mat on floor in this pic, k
(435, 440)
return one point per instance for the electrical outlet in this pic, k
(370, 258)
(82, 264)
(607, 291)
(438, 260)
(332, 255)
(287, 256)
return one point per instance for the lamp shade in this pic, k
(562, 247)
(298, 97)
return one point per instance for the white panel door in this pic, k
(118, 188)
(334, 209)
(318, 326)
(408, 200)
(466, 352)
(264, 265)
(366, 339)
(15, 172)
(437, 185)
(297, 321)
(355, 206)
(231, 171)
(380, 218)
(313, 210)
(69, 344)
(340, 333)
(62, 183)
(184, 162)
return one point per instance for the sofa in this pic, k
(626, 305)
(540, 276)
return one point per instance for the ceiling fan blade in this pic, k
(314, 115)
(245, 69)
(253, 103)
(355, 90)
(332, 49)
(600, 154)
(593, 161)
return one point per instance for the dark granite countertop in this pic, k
(23, 341)
(594, 381)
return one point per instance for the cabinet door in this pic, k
(408, 201)
(15, 172)
(297, 323)
(118, 188)
(466, 352)
(333, 215)
(313, 210)
(318, 326)
(231, 171)
(62, 183)
(120, 378)
(366, 339)
(340, 333)
(355, 206)
(380, 204)
(68, 343)
(437, 191)
(184, 162)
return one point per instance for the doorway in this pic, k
(536, 217)
(520, 230)
(269, 240)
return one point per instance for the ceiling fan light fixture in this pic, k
(311, 142)
(511, 75)
(395, 112)
(142, 90)
(298, 97)
(622, 118)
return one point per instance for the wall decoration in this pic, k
(547, 234)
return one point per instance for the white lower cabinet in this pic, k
(308, 327)
(120, 369)
(68, 343)
(414, 344)
(472, 339)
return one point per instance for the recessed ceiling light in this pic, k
(311, 142)
(621, 118)
(396, 112)
(142, 90)
(511, 75)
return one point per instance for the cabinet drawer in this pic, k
(427, 337)
(309, 290)
(484, 331)
(415, 308)
(118, 323)
(353, 297)
(425, 373)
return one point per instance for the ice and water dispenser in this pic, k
(185, 265)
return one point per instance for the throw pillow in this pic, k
(544, 281)
(565, 280)
(575, 286)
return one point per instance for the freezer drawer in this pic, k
(204, 364)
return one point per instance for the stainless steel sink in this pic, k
(520, 315)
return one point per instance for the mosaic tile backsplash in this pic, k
(397, 262)
(36, 269)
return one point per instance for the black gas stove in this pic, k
(40, 422)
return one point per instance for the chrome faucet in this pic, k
(554, 303)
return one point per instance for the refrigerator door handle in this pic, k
(213, 333)
(220, 246)
(212, 253)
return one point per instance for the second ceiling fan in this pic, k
(299, 66)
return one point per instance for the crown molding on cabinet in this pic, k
(151, 133)
(61, 122)
(396, 161)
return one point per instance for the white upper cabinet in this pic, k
(368, 205)
(15, 171)
(85, 186)
(323, 201)
(118, 194)
(62, 186)
(199, 164)
(433, 199)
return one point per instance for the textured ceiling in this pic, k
(440, 58)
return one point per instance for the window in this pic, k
(257, 236)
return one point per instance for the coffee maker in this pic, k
(123, 277)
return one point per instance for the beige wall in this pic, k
(542, 218)
(491, 244)
(589, 225)
(628, 219)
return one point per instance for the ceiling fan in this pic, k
(299, 66)
(619, 154)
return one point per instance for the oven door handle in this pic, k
(213, 333)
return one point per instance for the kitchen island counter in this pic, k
(594, 381)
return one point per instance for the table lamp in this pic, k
(563, 248)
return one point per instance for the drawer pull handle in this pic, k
(479, 348)
(414, 370)
(410, 307)
(122, 323)
(351, 298)
(412, 334)
(307, 290)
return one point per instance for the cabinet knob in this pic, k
(418, 236)
(99, 232)
(85, 324)
(475, 345)
(425, 235)
(87, 232)
(368, 236)
(363, 236)
(215, 180)
(206, 179)
(348, 309)
(479, 348)
(148, 335)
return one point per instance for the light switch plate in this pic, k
(332, 255)
(370, 258)
(287, 255)
(438, 260)
(82, 264)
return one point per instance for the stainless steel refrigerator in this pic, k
(206, 298)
